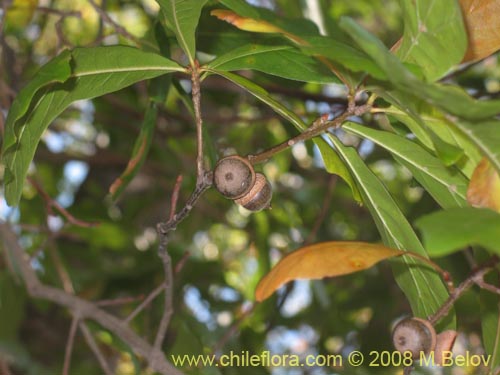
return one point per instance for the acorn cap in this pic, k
(415, 335)
(234, 176)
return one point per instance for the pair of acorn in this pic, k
(235, 178)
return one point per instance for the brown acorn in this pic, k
(234, 176)
(259, 196)
(415, 335)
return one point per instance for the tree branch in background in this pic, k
(53, 204)
(69, 345)
(82, 308)
(120, 30)
(95, 349)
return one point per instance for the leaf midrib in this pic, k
(185, 46)
(248, 53)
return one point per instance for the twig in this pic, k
(69, 345)
(168, 308)
(86, 310)
(4, 367)
(318, 126)
(118, 28)
(63, 14)
(95, 349)
(180, 264)
(203, 182)
(144, 303)
(477, 275)
(59, 12)
(486, 286)
(175, 196)
(69, 288)
(51, 203)
(60, 269)
(119, 301)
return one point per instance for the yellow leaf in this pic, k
(482, 21)
(20, 13)
(325, 259)
(251, 24)
(484, 187)
(247, 24)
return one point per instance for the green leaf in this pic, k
(57, 70)
(139, 153)
(486, 136)
(422, 286)
(332, 162)
(449, 98)
(448, 188)
(434, 131)
(279, 60)
(445, 232)
(490, 322)
(241, 7)
(448, 153)
(434, 36)
(95, 71)
(182, 18)
(12, 306)
(335, 165)
(344, 54)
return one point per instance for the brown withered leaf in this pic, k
(324, 259)
(484, 187)
(482, 21)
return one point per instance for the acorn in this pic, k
(259, 196)
(235, 178)
(414, 335)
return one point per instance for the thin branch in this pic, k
(119, 301)
(477, 275)
(51, 203)
(69, 345)
(175, 196)
(4, 367)
(487, 286)
(203, 182)
(319, 126)
(144, 303)
(180, 264)
(95, 349)
(59, 12)
(86, 310)
(117, 27)
(168, 302)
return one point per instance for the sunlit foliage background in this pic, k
(229, 249)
